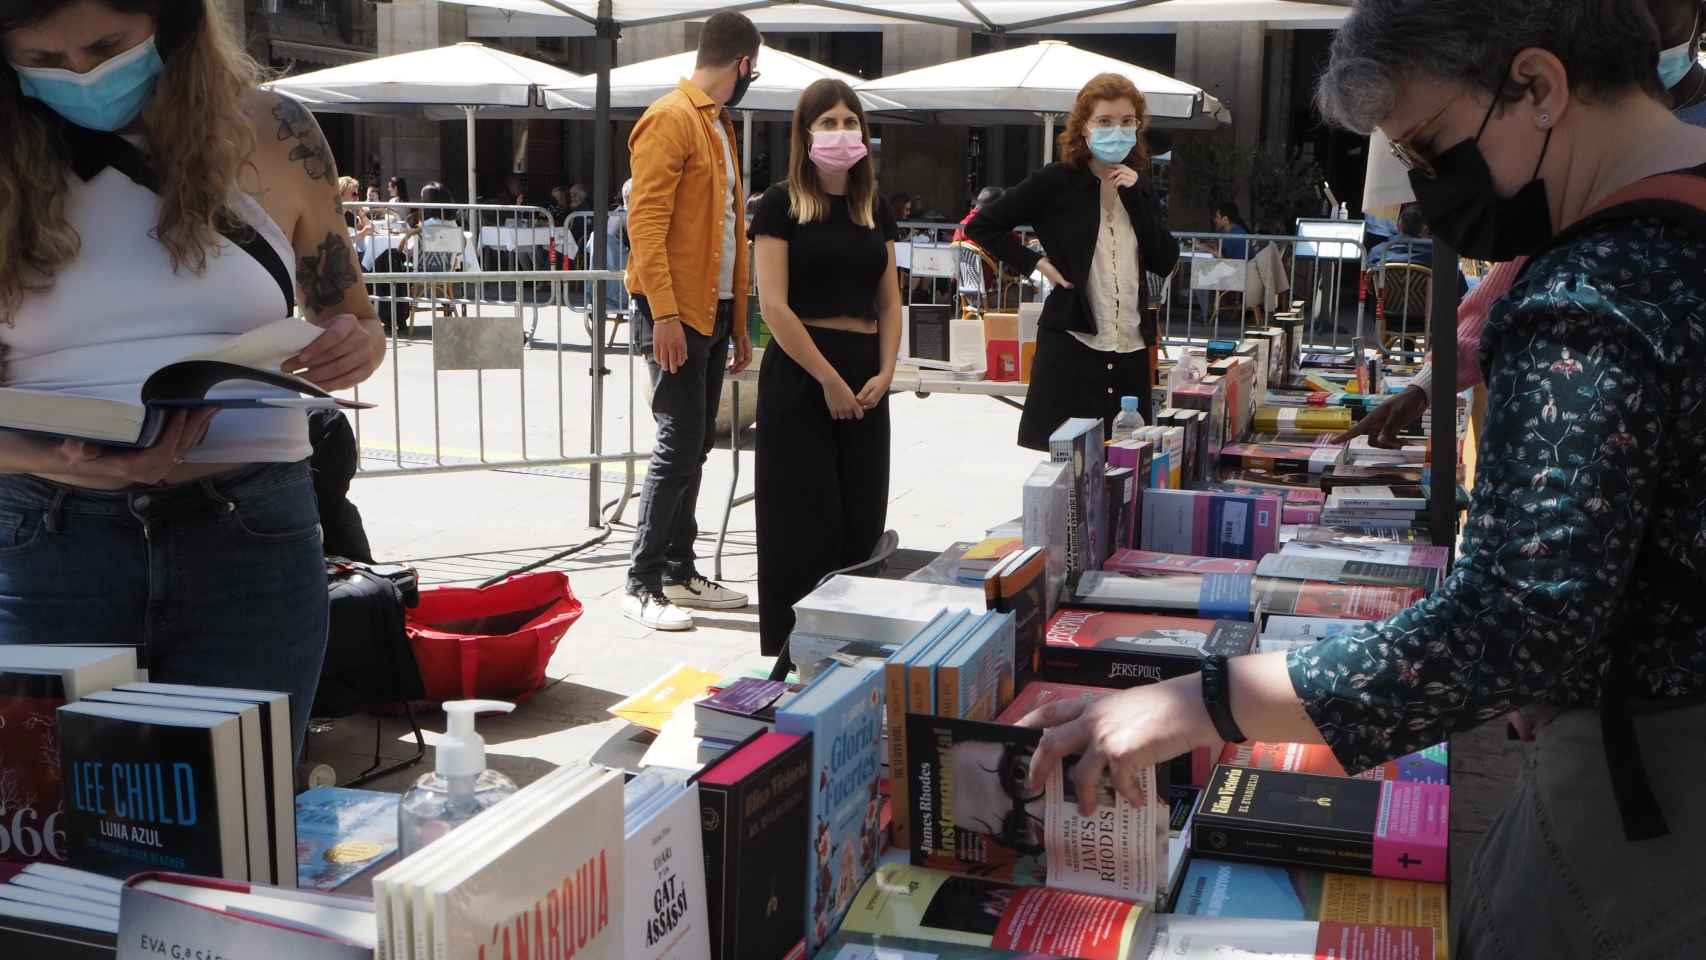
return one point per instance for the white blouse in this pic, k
(1114, 284)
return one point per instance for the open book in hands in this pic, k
(252, 358)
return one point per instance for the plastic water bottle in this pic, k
(1128, 422)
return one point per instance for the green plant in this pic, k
(1208, 168)
(1283, 187)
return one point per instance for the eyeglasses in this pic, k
(1410, 157)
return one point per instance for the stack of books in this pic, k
(1396, 506)
(737, 711)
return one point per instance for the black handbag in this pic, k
(369, 662)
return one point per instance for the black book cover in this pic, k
(1169, 647)
(1120, 482)
(929, 324)
(1276, 816)
(142, 796)
(37, 940)
(31, 818)
(754, 833)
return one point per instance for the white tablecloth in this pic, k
(373, 246)
(526, 238)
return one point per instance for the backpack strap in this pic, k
(92, 151)
(1676, 197)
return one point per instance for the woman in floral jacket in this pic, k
(1580, 597)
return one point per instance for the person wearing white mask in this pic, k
(1102, 227)
(154, 204)
(826, 282)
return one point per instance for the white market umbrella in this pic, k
(461, 79)
(783, 76)
(1041, 80)
(579, 17)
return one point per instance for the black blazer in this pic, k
(1062, 204)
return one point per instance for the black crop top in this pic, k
(834, 265)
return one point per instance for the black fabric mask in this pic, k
(741, 84)
(1463, 207)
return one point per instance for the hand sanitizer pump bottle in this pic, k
(460, 787)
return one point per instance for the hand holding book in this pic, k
(1125, 733)
(344, 355)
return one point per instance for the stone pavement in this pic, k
(955, 472)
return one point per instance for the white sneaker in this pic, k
(653, 609)
(704, 594)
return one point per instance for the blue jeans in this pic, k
(684, 404)
(220, 582)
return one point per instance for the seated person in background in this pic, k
(1227, 220)
(985, 197)
(1411, 244)
(435, 261)
(349, 191)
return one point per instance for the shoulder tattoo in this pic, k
(326, 273)
(310, 147)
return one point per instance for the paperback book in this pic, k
(179, 915)
(1227, 888)
(1219, 596)
(1046, 503)
(1078, 443)
(973, 813)
(1137, 562)
(1184, 937)
(898, 699)
(1345, 601)
(1385, 828)
(1119, 650)
(842, 712)
(941, 907)
(663, 902)
(1209, 523)
(1429, 765)
(1019, 586)
(1296, 566)
(55, 913)
(251, 361)
(150, 788)
(341, 833)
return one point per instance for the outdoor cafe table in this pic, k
(513, 239)
(906, 380)
(391, 237)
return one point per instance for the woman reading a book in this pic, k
(153, 204)
(1101, 228)
(826, 281)
(1530, 128)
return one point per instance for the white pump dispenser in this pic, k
(460, 786)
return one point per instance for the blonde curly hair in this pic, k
(195, 129)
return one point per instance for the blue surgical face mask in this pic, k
(106, 98)
(1112, 144)
(1675, 63)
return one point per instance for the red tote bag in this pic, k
(491, 642)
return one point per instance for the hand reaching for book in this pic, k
(1382, 424)
(151, 465)
(1120, 734)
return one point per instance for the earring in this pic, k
(1544, 120)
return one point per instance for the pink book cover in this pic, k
(1413, 831)
(1133, 561)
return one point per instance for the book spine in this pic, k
(1243, 841)
(947, 691)
(721, 895)
(895, 705)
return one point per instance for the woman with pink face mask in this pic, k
(826, 282)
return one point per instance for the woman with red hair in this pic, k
(1101, 228)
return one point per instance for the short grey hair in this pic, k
(1607, 46)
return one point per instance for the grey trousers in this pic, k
(1556, 880)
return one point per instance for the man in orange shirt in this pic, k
(687, 271)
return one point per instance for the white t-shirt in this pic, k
(731, 203)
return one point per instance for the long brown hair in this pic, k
(196, 131)
(1074, 148)
(806, 200)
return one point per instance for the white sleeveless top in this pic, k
(119, 312)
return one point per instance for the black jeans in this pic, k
(684, 404)
(822, 483)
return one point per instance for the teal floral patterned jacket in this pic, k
(1587, 540)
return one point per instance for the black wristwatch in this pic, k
(1217, 699)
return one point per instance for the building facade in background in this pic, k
(1263, 73)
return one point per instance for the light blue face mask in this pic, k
(106, 98)
(1112, 144)
(1675, 63)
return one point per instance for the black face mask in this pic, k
(742, 82)
(1463, 207)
